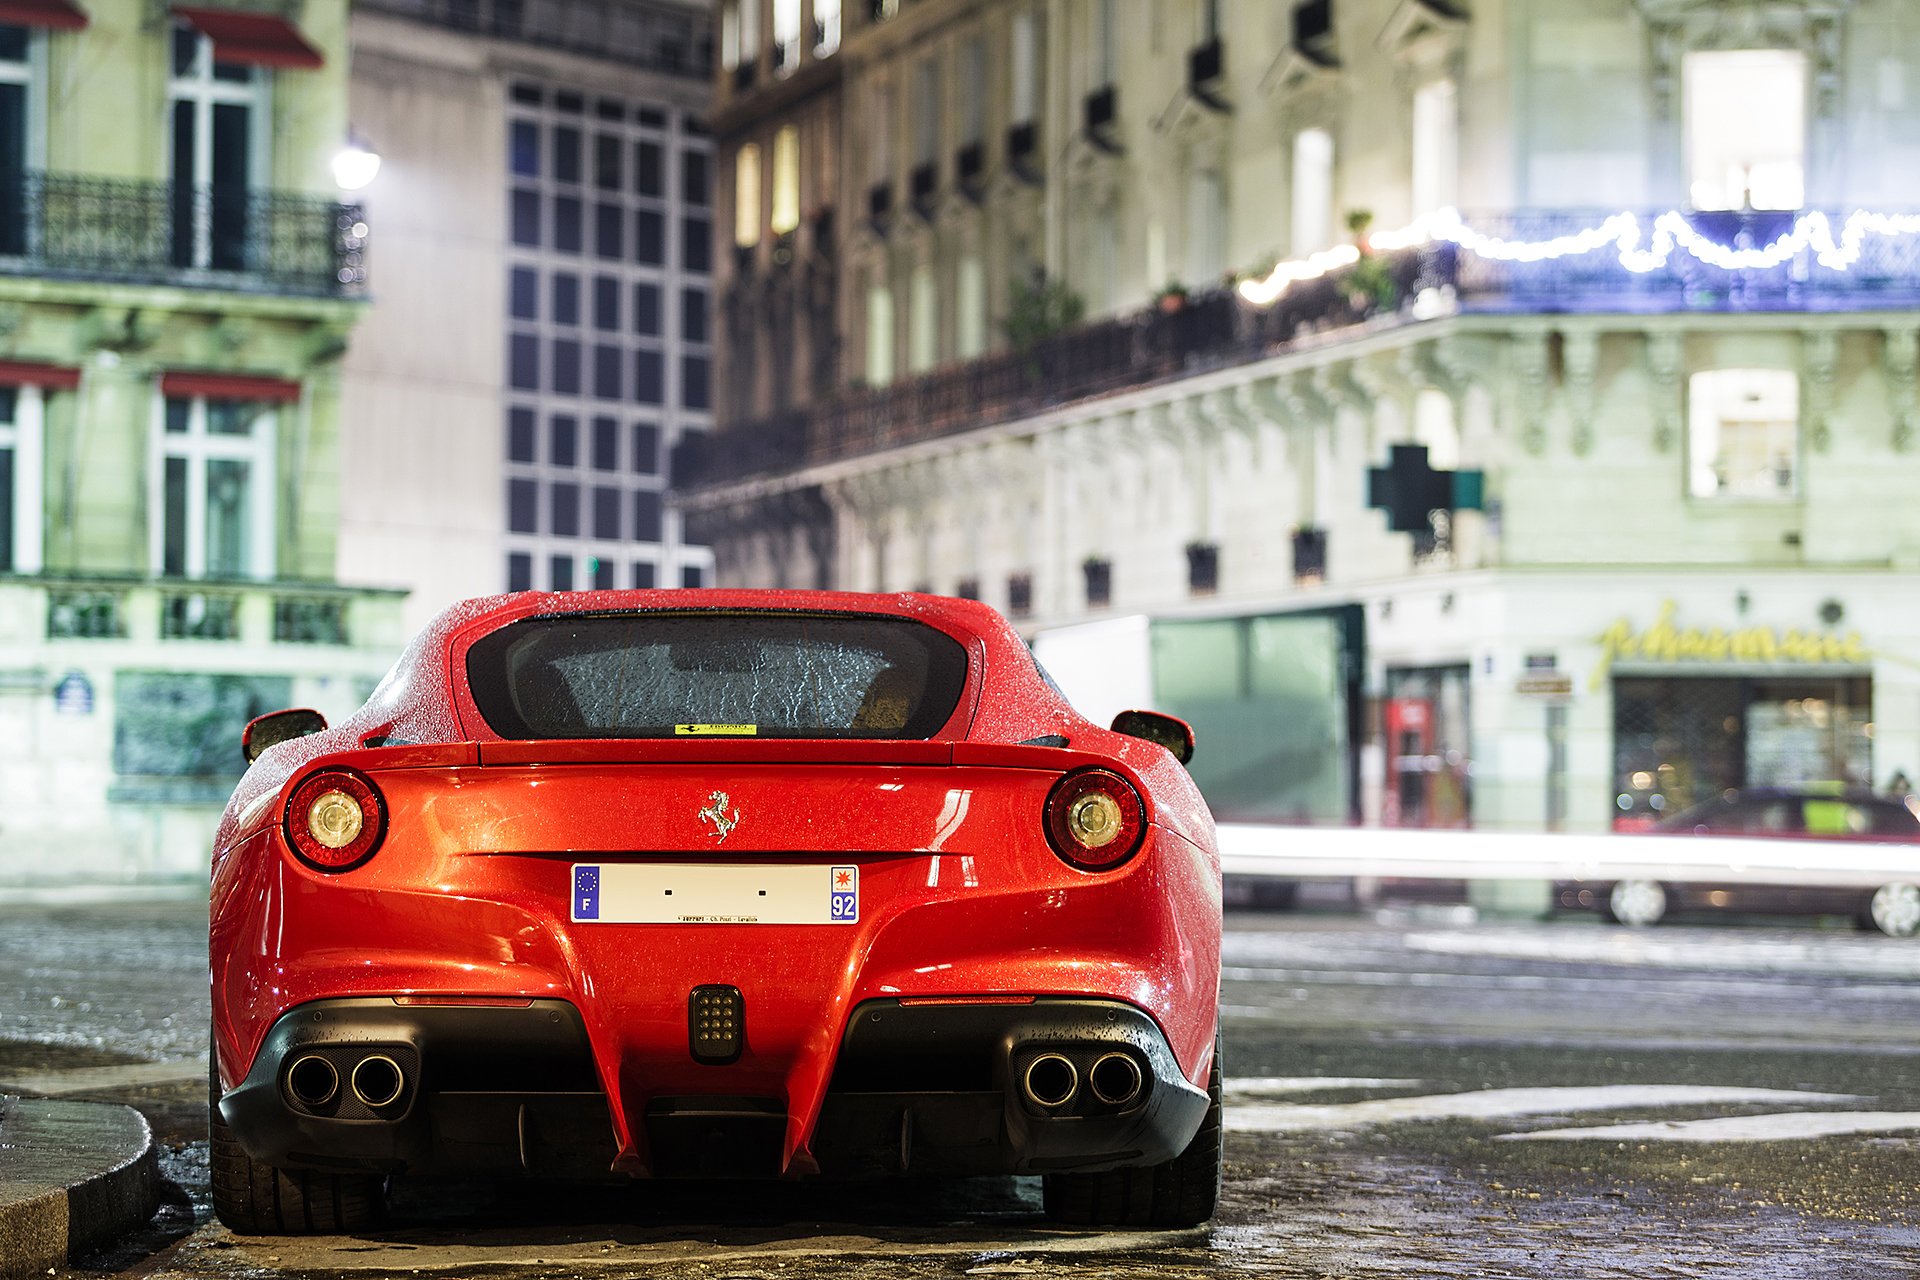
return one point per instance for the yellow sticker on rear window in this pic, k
(716, 730)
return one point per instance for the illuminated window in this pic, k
(786, 36)
(1100, 45)
(970, 304)
(879, 334)
(826, 27)
(746, 196)
(923, 350)
(730, 34)
(1312, 191)
(786, 180)
(20, 479)
(1025, 68)
(1743, 433)
(1436, 146)
(1746, 118)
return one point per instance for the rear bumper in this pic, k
(917, 1088)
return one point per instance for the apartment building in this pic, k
(178, 280)
(1473, 412)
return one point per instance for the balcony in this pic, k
(84, 228)
(173, 611)
(1407, 287)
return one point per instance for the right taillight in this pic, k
(1095, 820)
(335, 820)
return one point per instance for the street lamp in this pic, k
(355, 164)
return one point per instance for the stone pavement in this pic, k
(73, 1176)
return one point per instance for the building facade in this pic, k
(1491, 413)
(543, 333)
(178, 280)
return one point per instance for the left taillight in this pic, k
(1095, 820)
(335, 820)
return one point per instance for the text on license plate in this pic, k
(705, 893)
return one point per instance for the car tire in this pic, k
(1637, 903)
(255, 1199)
(1182, 1192)
(1895, 910)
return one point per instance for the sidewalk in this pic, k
(73, 1176)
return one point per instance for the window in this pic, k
(520, 431)
(606, 513)
(1746, 128)
(214, 489)
(646, 516)
(749, 32)
(606, 161)
(646, 449)
(523, 287)
(696, 244)
(696, 375)
(646, 309)
(879, 335)
(1025, 68)
(648, 175)
(1312, 191)
(567, 224)
(560, 570)
(692, 576)
(970, 337)
(566, 367)
(973, 90)
(649, 238)
(644, 573)
(606, 444)
(786, 180)
(1100, 45)
(786, 36)
(218, 152)
(693, 315)
(523, 499)
(693, 177)
(880, 136)
(1436, 147)
(564, 440)
(826, 27)
(1206, 225)
(519, 571)
(1743, 433)
(746, 196)
(523, 362)
(926, 111)
(523, 148)
(649, 377)
(566, 153)
(566, 298)
(566, 510)
(606, 303)
(20, 479)
(525, 216)
(730, 33)
(923, 331)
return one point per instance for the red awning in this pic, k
(229, 386)
(27, 373)
(260, 39)
(60, 15)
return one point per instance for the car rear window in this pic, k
(709, 673)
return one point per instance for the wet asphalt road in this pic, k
(1384, 1075)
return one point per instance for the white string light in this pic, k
(1622, 232)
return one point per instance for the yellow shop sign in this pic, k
(1664, 642)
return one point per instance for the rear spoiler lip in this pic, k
(801, 751)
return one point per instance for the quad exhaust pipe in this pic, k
(313, 1081)
(377, 1081)
(1050, 1081)
(1115, 1079)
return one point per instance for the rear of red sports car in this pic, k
(701, 884)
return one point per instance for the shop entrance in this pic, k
(1428, 754)
(1678, 740)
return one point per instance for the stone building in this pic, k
(543, 332)
(178, 280)
(1472, 413)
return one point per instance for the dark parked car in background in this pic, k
(1784, 813)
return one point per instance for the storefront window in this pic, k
(1429, 762)
(1681, 740)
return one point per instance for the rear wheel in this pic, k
(260, 1200)
(1179, 1193)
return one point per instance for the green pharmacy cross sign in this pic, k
(1409, 490)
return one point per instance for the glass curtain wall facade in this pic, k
(609, 336)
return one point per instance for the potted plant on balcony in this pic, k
(1171, 298)
(1368, 283)
(1039, 309)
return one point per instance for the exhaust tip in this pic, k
(312, 1081)
(378, 1081)
(1050, 1080)
(1115, 1079)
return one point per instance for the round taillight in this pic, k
(1095, 819)
(335, 820)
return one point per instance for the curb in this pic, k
(73, 1176)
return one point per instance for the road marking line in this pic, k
(1488, 1104)
(56, 1084)
(1280, 1086)
(1767, 1128)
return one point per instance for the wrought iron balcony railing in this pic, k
(675, 39)
(79, 227)
(1531, 264)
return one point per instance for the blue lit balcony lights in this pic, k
(1638, 252)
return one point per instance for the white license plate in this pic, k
(706, 893)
